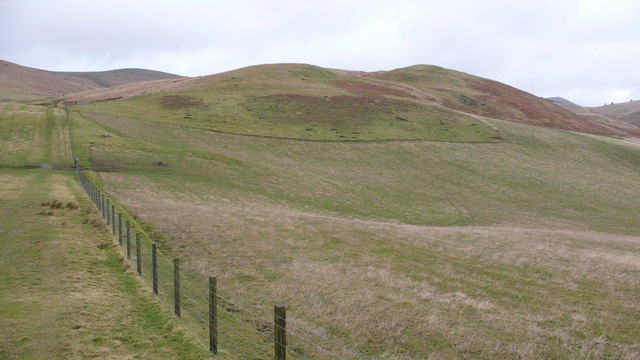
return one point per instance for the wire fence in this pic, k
(225, 324)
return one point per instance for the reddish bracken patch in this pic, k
(361, 87)
(508, 103)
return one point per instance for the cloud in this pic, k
(583, 50)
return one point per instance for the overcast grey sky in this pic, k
(586, 51)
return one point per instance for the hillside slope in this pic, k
(429, 85)
(294, 101)
(476, 95)
(561, 101)
(628, 112)
(18, 81)
(400, 249)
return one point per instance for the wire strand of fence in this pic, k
(238, 313)
(291, 324)
(240, 335)
(238, 319)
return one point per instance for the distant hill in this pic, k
(476, 95)
(294, 101)
(18, 81)
(426, 84)
(561, 101)
(628, 112)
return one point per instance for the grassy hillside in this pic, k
(629, 112)
(300, 102)
(22, 83)
(526, 247)
(105, 79)
(64, 291)
(472, 94)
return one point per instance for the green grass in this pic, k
(28, 134)
(303, 102)
(64, 291)
(524, 248)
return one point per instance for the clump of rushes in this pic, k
(71, 205)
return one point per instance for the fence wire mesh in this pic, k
(243, 330)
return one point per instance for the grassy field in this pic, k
(32, 135)
(64, 290)
(523, 247)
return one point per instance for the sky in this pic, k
(586, 51)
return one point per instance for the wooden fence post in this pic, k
(113, 220)
(176, 286)
(128, 241)
(138, 258)
(213, 314)
(280, 331)
(108, 217)
(154, 267)
(120, 229)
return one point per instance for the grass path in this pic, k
(47, 129)
(63, 290)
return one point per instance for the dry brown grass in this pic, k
(126, 91)
(395, 286)
(547, 269)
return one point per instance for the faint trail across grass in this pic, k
(63, 291)
(47, 134)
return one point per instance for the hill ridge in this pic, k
(430, 85)
(18, 81)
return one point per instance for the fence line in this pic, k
(231, 325)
